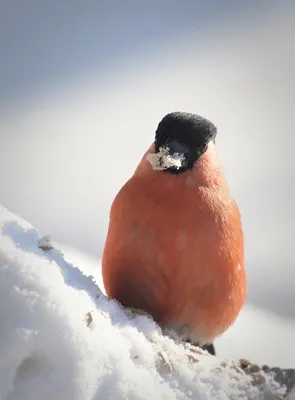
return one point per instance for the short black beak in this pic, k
(172, 156)
(176, 147)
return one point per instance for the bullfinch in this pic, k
(175, 244)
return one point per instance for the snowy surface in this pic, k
(51, 347)
(258, 334)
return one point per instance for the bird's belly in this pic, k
(205, 313)
(178, 275)
(179, 289)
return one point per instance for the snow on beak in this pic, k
(164, 160)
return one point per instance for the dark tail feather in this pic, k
(208, 347)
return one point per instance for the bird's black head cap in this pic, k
(187, 134)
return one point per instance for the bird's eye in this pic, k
(201, 149)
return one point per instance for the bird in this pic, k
(175, 243)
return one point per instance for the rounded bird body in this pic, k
(175, 243)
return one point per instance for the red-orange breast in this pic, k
(174, 246)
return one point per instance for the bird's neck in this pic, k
(207, 171)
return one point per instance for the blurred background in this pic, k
(83, 86)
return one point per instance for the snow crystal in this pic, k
(163, 160)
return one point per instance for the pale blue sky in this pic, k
(44, 42)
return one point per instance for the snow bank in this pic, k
(61, 338)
